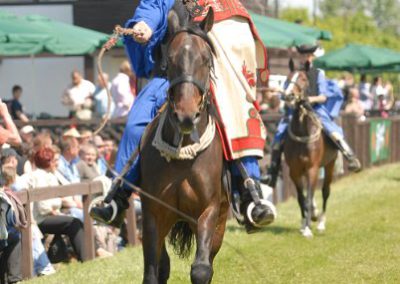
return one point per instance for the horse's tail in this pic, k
(181, 238)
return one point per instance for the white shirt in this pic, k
(122, 95)
(75, 96)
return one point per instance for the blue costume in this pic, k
(326, 112)
(153, 95)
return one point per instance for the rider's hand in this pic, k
(142, 32)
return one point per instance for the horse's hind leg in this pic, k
(164, 267)
(202, 272)
(326, 189)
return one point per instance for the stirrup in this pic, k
(251, 207)
(100, 200)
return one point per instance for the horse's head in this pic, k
(190, 62)
(298, 83)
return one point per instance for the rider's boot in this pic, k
(257, 213)
(273, 171)
(354, 164)
(113, 215)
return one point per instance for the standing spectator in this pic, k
(354, 105)
(121, 90)
(68, 159)
(377, 90)
(9, 134)
(101, 96)
(366, 97)
(47, 213)
(86, 136)
(78, 97)
(16, 108)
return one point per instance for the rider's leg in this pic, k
(335, 132)
(276, 155)
(263, 213)
(145, 108)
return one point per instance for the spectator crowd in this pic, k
(32, 159)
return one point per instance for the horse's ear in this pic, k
(173, 22)
(208, 22)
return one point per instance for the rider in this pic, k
(325, 105)
(236, 64)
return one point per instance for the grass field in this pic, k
(361, 244)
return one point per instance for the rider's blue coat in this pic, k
(152, 97)
(326, 112)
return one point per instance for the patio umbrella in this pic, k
(357, 57)
(30, 35)
(277, 33)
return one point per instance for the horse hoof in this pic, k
(201, 273)
(307, 233)
(314, 218)
(321, 227)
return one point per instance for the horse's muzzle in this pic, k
(187, 123)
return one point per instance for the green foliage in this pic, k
(361, 244)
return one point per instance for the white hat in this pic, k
(27, 129)
(72, 132)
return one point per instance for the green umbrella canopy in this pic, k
(281, 34)
(21, 36)
(359, 57)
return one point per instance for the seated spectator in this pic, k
(121, 90)
(10, 243)
(71, 205)
(69, 158)
(47, 213)
(86, 136)
(43, 139)
(101, 162)
(78, 97)
(16, 108)
(101, 97)
(87, 166)
(27, 134)
(41, 262)
(9, 158)
(354, 105)
(72, 132)
(9, 133)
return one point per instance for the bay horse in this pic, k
(193, 186)
(306, 150)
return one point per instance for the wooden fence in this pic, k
(86, 190)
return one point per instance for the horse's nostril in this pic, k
(197, 115)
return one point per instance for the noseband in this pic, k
(204, 88)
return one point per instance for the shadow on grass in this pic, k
(274, 229)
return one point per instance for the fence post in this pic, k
(88, 227)
(131, 223)
(26, 243)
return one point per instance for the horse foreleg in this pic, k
(153, 246)
(298, 182)
(220, 230)
(201, 271)
(312, 178)
(326, 189)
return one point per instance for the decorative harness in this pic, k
(188, 152)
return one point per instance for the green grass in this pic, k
(361, 244)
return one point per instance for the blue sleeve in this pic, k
(155, 14)
(322, 84)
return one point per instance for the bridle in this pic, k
(203, 87)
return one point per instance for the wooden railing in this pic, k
(86, 190)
